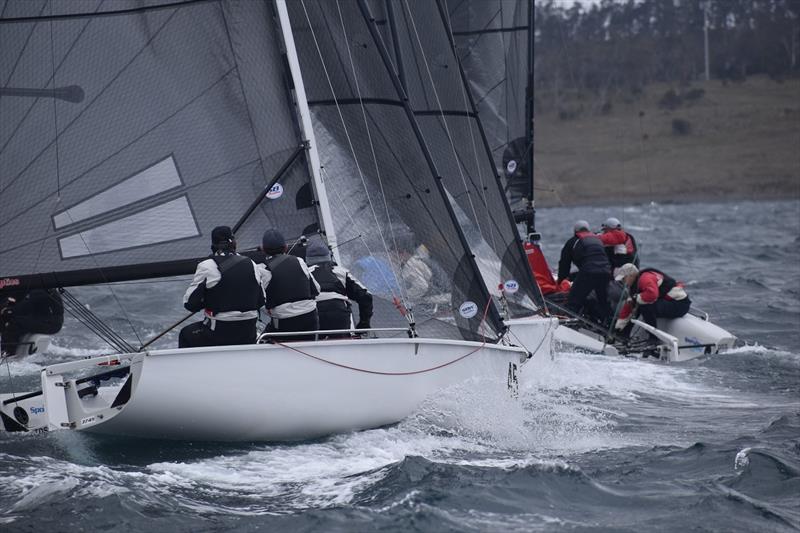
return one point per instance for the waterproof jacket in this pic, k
(227, 286)
(289, 287)
(336, 282)
(620, 247)
(587, 252)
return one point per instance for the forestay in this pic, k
(130, 129)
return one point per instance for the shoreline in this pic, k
(740, 142)
(607, 201)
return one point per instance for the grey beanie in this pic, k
(272, 240)
(317, 253)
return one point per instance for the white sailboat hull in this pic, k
(682, 339)
(535, 334)
(571, 339)
(696, 337)
(298, 391)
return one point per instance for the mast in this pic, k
(307, 128)
(384, 53)
(531, 222)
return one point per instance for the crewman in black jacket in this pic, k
(586, 251)
(337, 288)
(228, 287)
(290, 290)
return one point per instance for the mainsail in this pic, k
(128, 130)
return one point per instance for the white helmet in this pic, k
(611, 223)
(580, 225)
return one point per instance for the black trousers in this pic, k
(306, 322)
(225, 333)
(334, 314)
(664, 309)
(584, 284)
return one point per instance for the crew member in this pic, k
(337, 288)
(34, 311)
(656, 294)
(228, 287)
(290, 290)
(620, 245)
(586, 251)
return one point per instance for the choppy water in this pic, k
(592, 443)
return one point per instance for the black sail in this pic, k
(492, 38)
(385, 200)
(129, 129)
(453, 130)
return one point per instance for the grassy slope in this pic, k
(744, 144)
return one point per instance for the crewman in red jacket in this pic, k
(656, 294)
(620, 245)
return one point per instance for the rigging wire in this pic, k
(360, 236)
(369, 136)
(93, 322)
(55, 107)
(351, 146)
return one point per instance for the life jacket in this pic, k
(618, 252)
(237, 290)
(328, 280)
(667, 284)
(289, 281)
(589, 253)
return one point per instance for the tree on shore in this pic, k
(596, 51)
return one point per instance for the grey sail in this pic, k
(453, 129)
(127, 135)
(492, 39)
(391, 218)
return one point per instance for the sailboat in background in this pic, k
(188, 120)
(495, 44)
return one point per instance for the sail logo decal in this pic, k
(169, 221)
(468, 309)
(9, 282)
(511, 286)
(275, 192)
(511, 167)
(153, 180)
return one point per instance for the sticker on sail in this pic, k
(275, 192)
(511, 286)
(511, 167)
(468, 309)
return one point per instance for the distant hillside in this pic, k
(706, 141)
